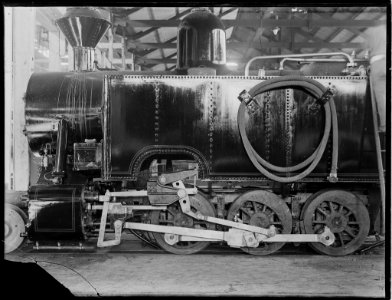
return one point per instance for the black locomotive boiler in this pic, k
(198, 155)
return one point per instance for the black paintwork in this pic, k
(186, 104)
(55, 212)
(183, 118)
(74, 96)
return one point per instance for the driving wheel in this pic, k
(262, 209)
(343, 213)
(173, 216)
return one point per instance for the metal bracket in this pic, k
(326, 96)
(118, 208)
(333, 177)
(117, 226)
(168, 178)
(160, 192)
(250, 102)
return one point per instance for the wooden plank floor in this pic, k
(134, 269)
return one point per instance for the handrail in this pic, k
(314, 60)
(349, 58)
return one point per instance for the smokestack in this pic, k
(84, 27)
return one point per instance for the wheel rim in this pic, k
(14, 225)
(262, 209)
(344, 214)
(174, 217)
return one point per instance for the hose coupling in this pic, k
(250, 102)
(351, 65)
(326, 96)
(333, 177)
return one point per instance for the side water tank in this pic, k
(201, 41)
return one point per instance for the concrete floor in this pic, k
(131, 269)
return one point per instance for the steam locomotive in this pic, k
(198, 155)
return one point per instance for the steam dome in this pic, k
(201, 41)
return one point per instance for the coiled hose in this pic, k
(318, 91)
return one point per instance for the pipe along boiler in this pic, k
(198, 155)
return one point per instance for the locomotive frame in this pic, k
(167, 155)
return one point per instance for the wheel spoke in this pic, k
(349, 231)
(340, 208)
(170, 217)
(263, 209)
(344, 212)
(322, 211)
(330, 204)
(341, 239)
(254, 206)
(245, 211)
(272, 215)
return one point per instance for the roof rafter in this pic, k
(168, 43)
(324, 22)
(157, 36)
(148, 31)
(120, 16)
(271, 44)
(317, 29)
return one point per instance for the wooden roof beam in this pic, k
(148, 31)
(157, 36)
(132, 45)
(323, 22)
(147, 48)
(120, 16)
(339, 30)
(312, 37)
(238, 45)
